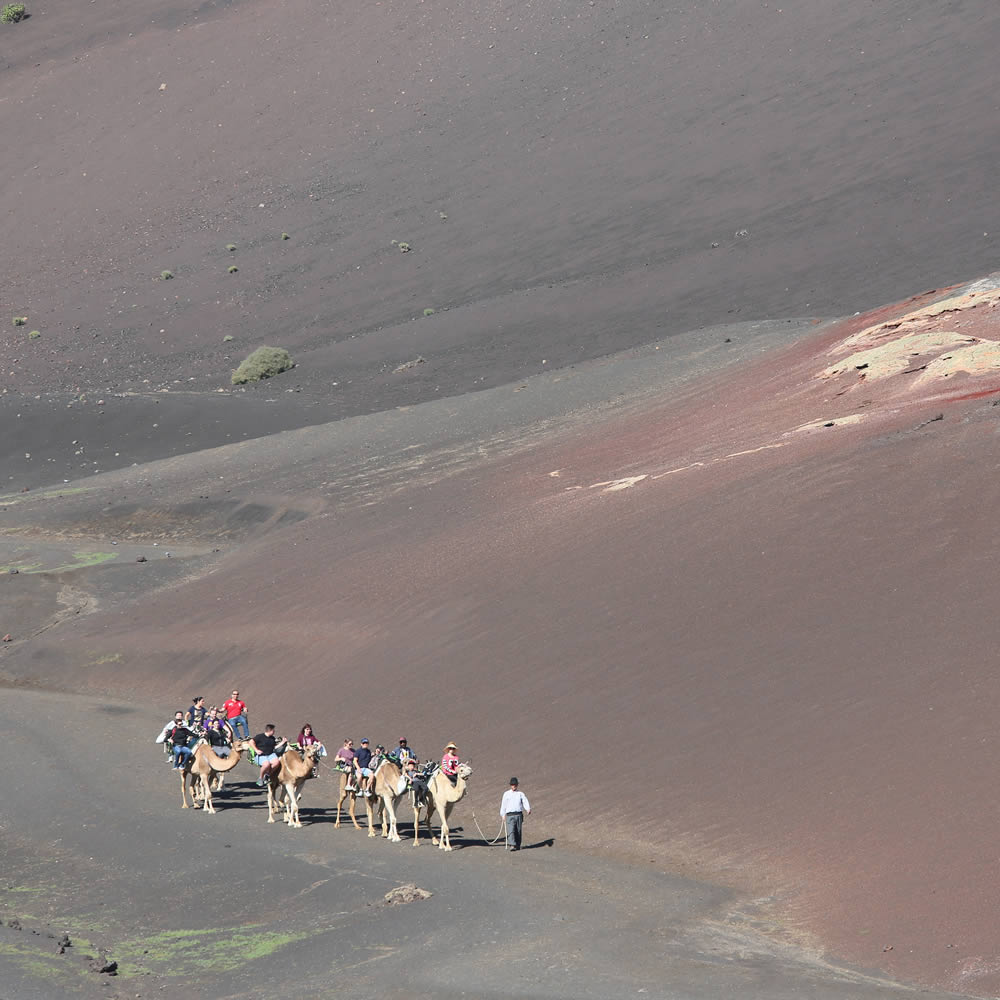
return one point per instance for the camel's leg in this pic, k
(206, 784)
(369, 809)
(184, 798)
(445, 844)
(353, 810)
(270, 802)
(393, 832)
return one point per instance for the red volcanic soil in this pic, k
(755, 614)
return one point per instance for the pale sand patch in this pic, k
(830, 422)
(979, 358)
(873, 334)
(896, 356)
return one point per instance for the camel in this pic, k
(202, 768)
(345, 780)
(443, 795)
(390, 786)
(296, 768)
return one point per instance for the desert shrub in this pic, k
(12, 12)
(34, 335)
(262, 363)
(20, 320)
(230, 247)
(285, 236)
(233, 268)
(428, 312)
(228, 337)
(166, 275)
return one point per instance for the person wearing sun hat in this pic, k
(514, 806)
(450, 762)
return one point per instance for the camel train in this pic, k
(206, 770)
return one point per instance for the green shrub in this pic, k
(428, 312)
(228, 337)
(20, 320)
(230, 247)
(263, 363)
(13, 12)
(233, 268)
(166, 275)
(285, 236)
(34, 335)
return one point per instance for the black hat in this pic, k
(513, 781)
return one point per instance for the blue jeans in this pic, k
(181, 754)
(239, 727)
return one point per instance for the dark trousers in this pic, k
(514, 821)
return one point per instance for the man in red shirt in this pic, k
(236, 716)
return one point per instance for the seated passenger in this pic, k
(217, 733)
(363, 769)
(165, 732)
(450, 762)
(183, 739)
(264, 746)
(196, 713)
(344, 761)
(402, 753)
(415, 781)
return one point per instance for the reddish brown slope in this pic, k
(716, 632)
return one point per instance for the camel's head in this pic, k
(312, 753)
(241, 745)
(464, 770)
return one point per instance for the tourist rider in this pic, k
(345, 762)
(165, 732)
(415, 781)
(363, 768)
(183, 739)
(196, 713)
(402, 753)
(308, 738)
(264, 746)
(450, 762)
(236, 715)
(216, 732)
(514, 806)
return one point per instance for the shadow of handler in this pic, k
(514, 806)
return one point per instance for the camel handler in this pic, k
(514, 806)
(264, 745)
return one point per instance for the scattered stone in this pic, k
(13, 572)
(407, 365)
(141, 559)
(406, 894)
(64, 942)
(742, 234)
(715, 246)
(15, 924)
(104, 965)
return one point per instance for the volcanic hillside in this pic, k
(724, 595)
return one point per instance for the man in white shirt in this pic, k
(514, 806)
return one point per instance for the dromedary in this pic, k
(346, 780)
(443, 795)
(296, 768)
(202, 767)
(390, 786)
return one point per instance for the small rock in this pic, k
(141, 559)
(406, 894)
(13, 572)
(15, 924)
